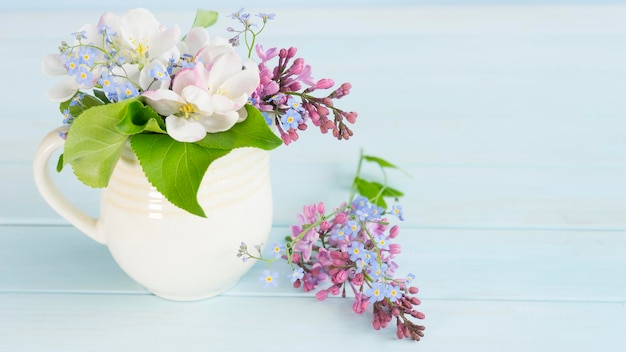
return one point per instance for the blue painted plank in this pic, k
(123, 323)
(577, 266)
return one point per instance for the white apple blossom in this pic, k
(205, 100)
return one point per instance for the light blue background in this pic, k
(112, 5)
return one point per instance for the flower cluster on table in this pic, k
(351, 246)
(130, 79)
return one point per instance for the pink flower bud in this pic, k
(376, 323)
(320, 208)
(322, 110)
(418, 315)
(357, 280)
(413, 290)
(297, 66)
(399, 331)
(334, 290)
(297, 284)
(394, 231)
(341, 218)
(271, 88)
(339, 262)
(321, 295)
(395, 311)
(395, 248)
(324, 83)
(340, 277)
(324, 226)
(293, 134)
(286, 138)
(292, 52)
(360, 305)
(351, 116)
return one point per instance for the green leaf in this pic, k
(204, 18)
(175, 168)
(252, 132)
(371, 190)
(379, 161)
(100, 95)
(87, 101)
(94, 144)
(139, 118)
(392, 192)
(60, 163)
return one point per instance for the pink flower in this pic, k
(305, 245)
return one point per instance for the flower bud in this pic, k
(320, 208)
(399, 331)
(341, 218)
(395, 248)
(324, 226)
(413, 290)
(297, 66)
(321, 295)
(357, 280)
(324, 83)
(340, 277)
(394, 231)
(395, 311)
(418, 315)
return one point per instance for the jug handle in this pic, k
(50, 193)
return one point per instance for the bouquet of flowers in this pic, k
(181, 102)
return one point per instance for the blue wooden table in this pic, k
(510, 119)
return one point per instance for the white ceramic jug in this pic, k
(174, 254)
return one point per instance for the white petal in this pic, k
(224, 67)
(111, 20)
(222, 104)
(220, 122)
(243, 114)
(184, 130)
(53, 65)
(64, 90)
(200, 98)
(196, 38)
(244, 82)
(162, 42)
(138, 25)
(163, 101)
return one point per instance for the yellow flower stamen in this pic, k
(189, 110)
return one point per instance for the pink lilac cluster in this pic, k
(280, 95)
(281, 98)
(351, 249)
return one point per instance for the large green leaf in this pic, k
(252, 132)
(94, 144)
(175, 168)
(139, 118)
